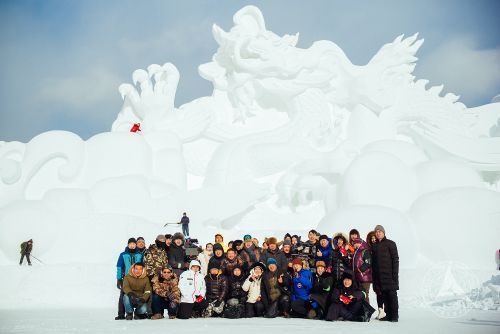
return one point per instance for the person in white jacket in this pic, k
(204, 257)
(192, 287)
(254, 306)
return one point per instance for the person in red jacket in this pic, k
(136, 127)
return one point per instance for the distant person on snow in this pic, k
(185, 225)
(136, 127)
(26, 248)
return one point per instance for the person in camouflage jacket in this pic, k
(166, 293)
(155, 258)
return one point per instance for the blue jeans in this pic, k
(129, 308)
(185, 229)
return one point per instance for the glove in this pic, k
(345, 300)
(119, 284)
(199, 299)
(314, 304)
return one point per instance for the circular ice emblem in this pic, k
(449, 289)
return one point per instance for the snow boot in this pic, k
(120, 317)
(311, 314)
(380, 314)
(129, 316)
(157, 316)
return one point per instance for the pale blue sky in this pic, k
(62, 61)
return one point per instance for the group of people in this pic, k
(323, 277)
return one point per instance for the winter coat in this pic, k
(362, 264)
(325, 257)
(271, 289)
(278, 255)
(236, 288)
(385, 265)
(302, 285)
(353, 290)
(185, 220)
(126, 259)
(155, 259)
(217, 287)
(251, 255)
(227, 265)
(338, 263)
(167, 288)
(204, 257)
(322, 288)
(177, 257)
(139, 286)
(216, 261)
(26, 247)
(191, 284)
(252, 286)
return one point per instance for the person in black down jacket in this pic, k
(218, 257)
(385, 265)
(346, 301)
(217, 288)
(236, 297)
(322, 288)
(275, 290)
(177, 254)
(339, 260)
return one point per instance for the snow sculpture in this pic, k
(290, 139)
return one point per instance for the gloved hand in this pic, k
(314, 304)
(199, 299)
(119, 284)
(345, 300)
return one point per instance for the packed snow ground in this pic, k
(82, 298)
(101, 321)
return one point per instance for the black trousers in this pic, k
(186, 310)
(121, 307)
(282, 304)
(254, 309)
(380, 300)
(27, 258)
(390, 298)
(300, 307)
(348, 312)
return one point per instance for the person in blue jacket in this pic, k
(301, 290)
(324, 250)
(127, 259)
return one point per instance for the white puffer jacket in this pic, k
(192, 284)
(252, 287)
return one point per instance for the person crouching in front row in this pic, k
(193, 289)
(254, 306)
(166, 294)
(137, 291)
(217, 288)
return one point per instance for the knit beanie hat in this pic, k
(132, 240)
(287, 242)
(161, 238)
(247, 237)
(323, 236)
(380, 228)
(357, 241)
(271, 260)
(140, 238)
(297, 261)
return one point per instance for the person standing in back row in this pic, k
(385, 265)
(185, 225)
(26, 248)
